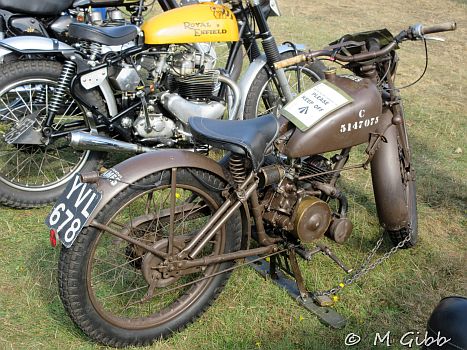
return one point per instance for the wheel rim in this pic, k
(307, 79)
(41, 167)
(116, 283)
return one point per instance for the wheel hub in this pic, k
(151, 263)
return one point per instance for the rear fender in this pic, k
(133, 169)
(35, 45)
(30, 45)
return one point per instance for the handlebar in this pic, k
(437, 28)
(414, 32)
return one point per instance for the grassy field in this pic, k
(252, 313)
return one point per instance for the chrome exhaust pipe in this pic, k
(85, 141)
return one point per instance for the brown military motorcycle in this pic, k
(151, 243)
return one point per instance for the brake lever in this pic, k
(434, 38)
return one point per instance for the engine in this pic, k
(159, 128)
(184, 83)
(173, 82)
(298, 206)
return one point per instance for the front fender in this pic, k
(133, 169)
(29, 45)
(253, 70)
(389, 186)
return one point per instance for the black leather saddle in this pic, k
(245, 137)
(110, 36)
(36, 7)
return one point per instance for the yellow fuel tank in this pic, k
(205, 22)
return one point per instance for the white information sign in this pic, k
(314, 104)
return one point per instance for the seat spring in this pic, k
(57, 100)
(95, 50)
(237, 168)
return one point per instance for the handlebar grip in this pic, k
(290, 61)
(444, 27)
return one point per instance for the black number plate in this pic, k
(72, 210)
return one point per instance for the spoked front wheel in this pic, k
(120, 294)
(263, 96)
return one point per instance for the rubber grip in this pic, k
(444, 27)
(290, 61)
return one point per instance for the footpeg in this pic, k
(308, 255)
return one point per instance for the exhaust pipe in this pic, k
(85, 141)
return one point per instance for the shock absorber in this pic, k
(237, 168)
(95, 50)
(41, 95)
(63, 83)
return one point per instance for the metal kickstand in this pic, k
(296, 289)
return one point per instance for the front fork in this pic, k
(271, 51)
(399, 121)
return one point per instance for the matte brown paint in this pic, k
(325, 136)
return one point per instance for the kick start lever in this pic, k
(308, 254)
(329, 253)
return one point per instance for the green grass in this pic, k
(252, 313)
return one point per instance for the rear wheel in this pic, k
(118, 293)
(34, 170)
(263, 97)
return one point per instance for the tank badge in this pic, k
(204, 28)
(308, 108)
(220, 12)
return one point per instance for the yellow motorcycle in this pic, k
(132, 89)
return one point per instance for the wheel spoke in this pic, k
(30, 109)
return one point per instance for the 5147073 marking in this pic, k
(347, 127)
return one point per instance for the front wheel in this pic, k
(395, 192)
(400, 235)
(34, 169)
(263, 97)
(118, 293)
